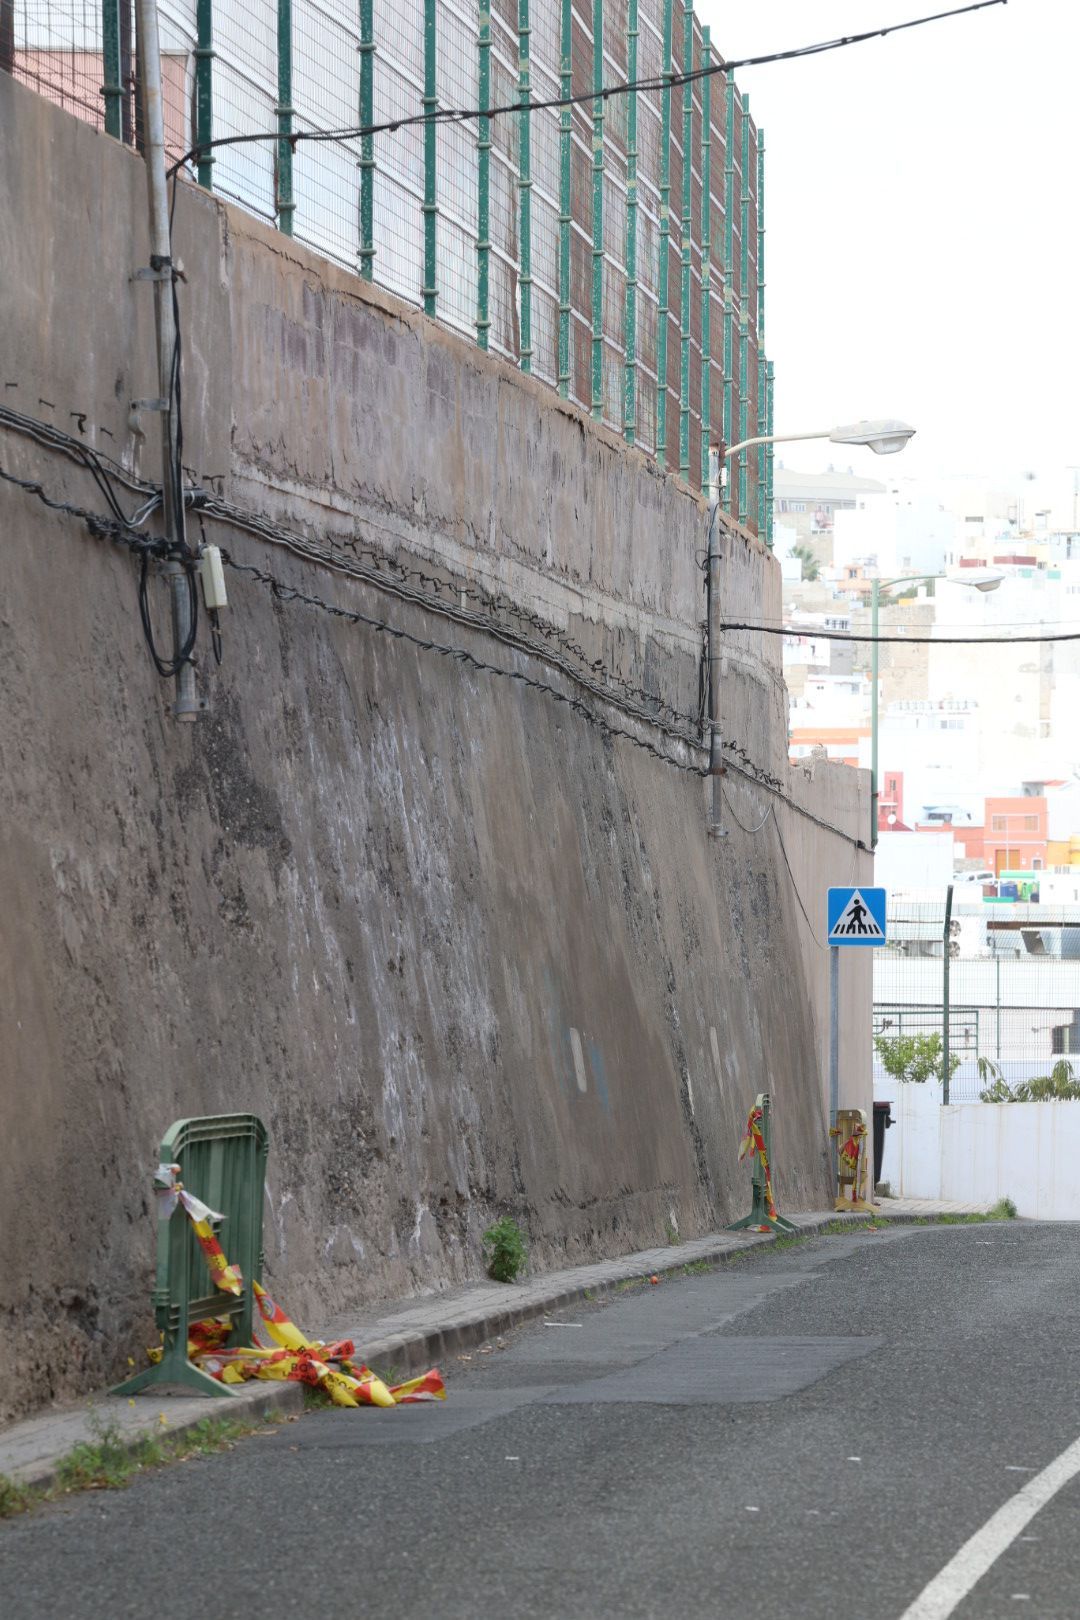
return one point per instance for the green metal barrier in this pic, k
(761, 1216)
(222, 1160)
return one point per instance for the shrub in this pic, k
(914, 1059)
(504, 1250)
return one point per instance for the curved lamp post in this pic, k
(885, 437)
(985, 582)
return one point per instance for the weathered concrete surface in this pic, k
(463, 954)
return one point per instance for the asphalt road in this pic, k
(813, 1431)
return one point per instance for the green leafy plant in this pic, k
(504, 1250)
(1004, 1210)
(811, 568)
(1060, 1085)
(914, 1059)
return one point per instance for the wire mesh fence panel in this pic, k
(324, 183)
(604, 300)
(245, 98)
(58, 51)
(1012, 989)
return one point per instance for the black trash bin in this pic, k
(882, 1120)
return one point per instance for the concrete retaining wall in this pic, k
(462, 952)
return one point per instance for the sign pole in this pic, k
(834, 1034)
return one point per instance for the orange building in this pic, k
(1015, 834)
(841, 743)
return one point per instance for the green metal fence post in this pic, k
(946, 1030)
(524, 189)
(598, 213)
(367, 142)
(283, 202)
(744, 307)
(762, 404)
(687, 221)
(222, 1161)
(630, 311)
(483, 179)
(728, 422)
(112, 89)
(706, 254)
(566, 90)
(431, 101)
(662, 290)
(204, 89)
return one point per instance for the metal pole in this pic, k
(706, 257)
(686, 224)
(283, 202)
(367, 142)
(712, 621)
(431, 207)
(524, 190)
(663, 267)
(762, 401)
(112, 89)
(598, 213)
(874, 600)
(483, 180)
(630, 313)
(744, 306)
(566, 122)
(7, 38)
(204, 89)
(728, 428)
(186, 706)
(997, 1000)
(945, 997)
(834, 1034)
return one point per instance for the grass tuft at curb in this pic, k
(111, 1460)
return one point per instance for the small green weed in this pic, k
(14, 1498)
(694, 1268)
(504, 1250)
(1004, 1210)
(671, 1231)
(106, 1461)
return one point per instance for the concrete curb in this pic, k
(50, 1437)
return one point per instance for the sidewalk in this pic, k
(408, 1337)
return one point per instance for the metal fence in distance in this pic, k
(614, 249)
(1008, 1003)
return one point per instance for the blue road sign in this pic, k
(856, 916)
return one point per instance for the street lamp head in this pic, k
(883, 438)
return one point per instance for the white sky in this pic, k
(922, 249)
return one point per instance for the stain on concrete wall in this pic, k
(464, 953)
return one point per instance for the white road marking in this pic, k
(951, 1585)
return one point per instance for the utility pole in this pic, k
(712, 642)
(182, 584)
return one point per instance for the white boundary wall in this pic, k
(980, 1152)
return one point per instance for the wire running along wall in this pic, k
(613, 249)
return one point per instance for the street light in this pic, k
(884, 437)
(981, 582)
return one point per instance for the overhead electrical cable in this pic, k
(671, 81)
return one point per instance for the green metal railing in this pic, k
(222, 1161)
(548, 236)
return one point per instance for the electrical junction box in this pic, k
(212, 570)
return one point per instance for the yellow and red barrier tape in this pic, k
(331, 1367)
(754, 1141)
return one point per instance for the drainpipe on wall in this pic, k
(712, 643)
(162, 271)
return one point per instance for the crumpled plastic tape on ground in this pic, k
(330, 1367)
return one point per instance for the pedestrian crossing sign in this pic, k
(856, 916)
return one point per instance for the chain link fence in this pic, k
(614, 249)
(1007, 996)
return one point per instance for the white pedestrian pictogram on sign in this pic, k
(856, 919)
